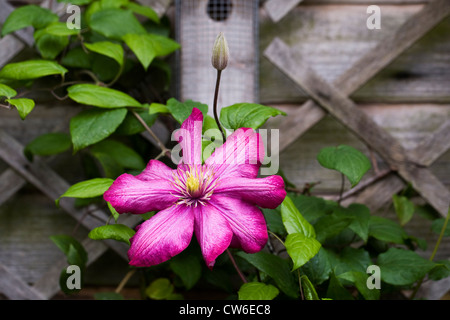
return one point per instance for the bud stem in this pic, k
(216, 94)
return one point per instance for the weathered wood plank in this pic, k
(14, 288)
(196, 32)
(334, 37)
(277, 9)
(434, 146)
(10, 183)
(348, 113)
(371, 63)
(366, 2)
(10, 46)
(50, 183)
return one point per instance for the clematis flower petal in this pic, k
(155, 169)
(245, 220)
(265, 192)
(129, 194)
(212, 231)
(189, 136)
(163, 236)
(240, 156)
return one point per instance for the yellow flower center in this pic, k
(194, 185)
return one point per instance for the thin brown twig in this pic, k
(164, 150)
(125, 280)
(241, 275)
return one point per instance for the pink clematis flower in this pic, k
(218, 200)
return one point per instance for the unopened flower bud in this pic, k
(220, 53)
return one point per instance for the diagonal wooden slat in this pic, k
(342, 108)
(47, 181)
(300, 121)
(427, 152)
(10, 183)
(15, 288)
(434, 146)
(277, 9)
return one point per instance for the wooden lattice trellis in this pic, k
(45, 179)
(412, 166)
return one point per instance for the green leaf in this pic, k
(113, 3)
(318, 268)
(119, 232)
(182, 110)
(156, 108)
(247, 115)
(386, 230)
(143, 11)
(274, 221)
(308, 289)
(60, 29)
(148, 46)
(277, 268)
(336, 291)
(87, 189)
(404, 208)
(23, 105)
(111, 169)
(440, 271)
(123, 155)
(159, 289)
(294, 221)
(188, 267)
(347, 160)
(6, 91)
(49, 45)
(115, 23)
(359, 215)
(74, 250)
(438, 224)
(331, 225)
(64, 277)
(403, 267)
(310, 207)
(108, 295)
(350, 259)
(301, 248)
(48, 144)
(101, 97)
(113, 211)
(107, 48)
(359, 279)
(26, 16)
(94, 125)
(257, 291)
(131, 124)
(31, 69)
(77, 58)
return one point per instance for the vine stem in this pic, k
(164, 150)
(341, 192)
(241, 275)
(125, 280)
(433, 254)
(216, 95)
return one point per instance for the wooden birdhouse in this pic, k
(198, 22)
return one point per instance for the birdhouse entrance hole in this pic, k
(219, 10)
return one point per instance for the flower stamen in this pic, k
(194, 185)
